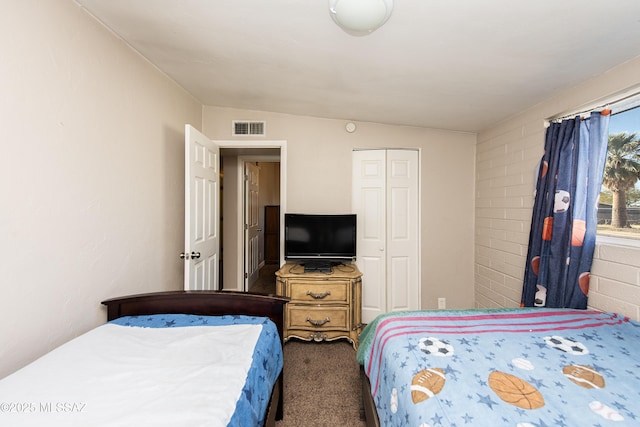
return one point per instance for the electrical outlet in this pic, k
(442, 303)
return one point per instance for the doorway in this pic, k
(269, 157)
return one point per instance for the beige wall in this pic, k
(506, 158)
(319, 180)
(91, 175)
(231, 240)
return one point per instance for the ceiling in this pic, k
(450, 64)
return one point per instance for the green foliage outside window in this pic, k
(619, 212)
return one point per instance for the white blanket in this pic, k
(131, 376)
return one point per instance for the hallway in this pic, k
(266, 283)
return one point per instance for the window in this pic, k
(619, 206)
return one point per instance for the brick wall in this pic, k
(615, 277)
(505, 169)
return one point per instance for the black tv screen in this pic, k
(322, 237)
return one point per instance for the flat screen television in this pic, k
(318, 240)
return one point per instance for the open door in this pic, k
(251, 224)
(202, 212)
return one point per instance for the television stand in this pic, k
(322, 306)
(318, 267)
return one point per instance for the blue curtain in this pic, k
(563, 228)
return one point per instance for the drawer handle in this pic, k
(318, 322)
(318, 296)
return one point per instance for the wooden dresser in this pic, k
(322, 306)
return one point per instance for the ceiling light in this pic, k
(360, 17)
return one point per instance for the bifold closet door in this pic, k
(386, 201)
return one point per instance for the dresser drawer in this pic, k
(318, 318)
(322, 306)
(318, 292)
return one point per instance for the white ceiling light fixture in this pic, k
(360, 17)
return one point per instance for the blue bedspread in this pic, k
(265, 368)
(506, 367)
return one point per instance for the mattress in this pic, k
(158, 370)
(506, 367)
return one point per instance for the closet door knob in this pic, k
(195, 255)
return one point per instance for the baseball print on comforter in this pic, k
(504, 367)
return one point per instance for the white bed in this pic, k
(130, 374)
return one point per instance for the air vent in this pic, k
(246, 128)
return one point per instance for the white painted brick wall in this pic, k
(615, 277)
(504, 194)
(505, 168)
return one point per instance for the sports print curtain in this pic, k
(563, 228)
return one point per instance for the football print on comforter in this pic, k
(519, 368)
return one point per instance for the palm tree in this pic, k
(621, 172)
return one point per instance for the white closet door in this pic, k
(403, 288)
(385, 199)
(369, 196)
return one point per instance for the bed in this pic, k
(182, 358)
(502, 367)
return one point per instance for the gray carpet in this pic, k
(321, 380)
(321, 385)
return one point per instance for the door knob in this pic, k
(184, 255)
(195, 255)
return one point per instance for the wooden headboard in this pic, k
(206, 303)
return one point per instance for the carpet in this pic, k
(321, 385)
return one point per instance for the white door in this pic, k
(202, 211)
(251, 224)
(369, 205)
(403, 285)
(386, 201)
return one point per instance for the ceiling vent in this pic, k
(246, 128)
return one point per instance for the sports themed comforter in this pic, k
(506, 367)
